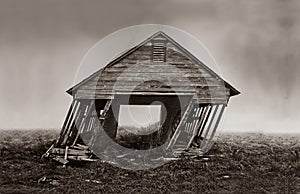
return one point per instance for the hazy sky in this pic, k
(256, 44)
(140, 115)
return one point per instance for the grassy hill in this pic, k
(237, 163)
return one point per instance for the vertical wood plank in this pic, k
(85, 119)
(202, 127)
(182, 122)
(216, 124)
(209, 126)
(67, 122)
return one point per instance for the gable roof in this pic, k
(233, 91)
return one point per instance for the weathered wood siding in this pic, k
(137, 72)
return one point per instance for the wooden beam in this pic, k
(199, 99)
(84, 121)
(73, 126)
(75, 130)
(82, 158)
(195, 128)
(202, 127)
(105, 110)
(66, 153)
(77, 103)
(61, 151)
(61, 160)
(155, 93)
(201, 119)
(182, 122)
(67, 117)
(68, 120)
(209, 126)
(216, 125)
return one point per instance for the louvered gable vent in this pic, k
(159, 49)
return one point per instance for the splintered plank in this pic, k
(82, 158)
(79, 146)
(61, 151)
(60, 160)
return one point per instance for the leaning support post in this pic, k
(202, 127)
(47, 152)
(201, 119)
(68, 116)
(84, 123)
(196, 128)
(72, 127)
(66, 153)
(67, 122)
(209, 127)
(182, 122)
(216, 126)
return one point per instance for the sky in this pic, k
(140, 115)
(255, 43)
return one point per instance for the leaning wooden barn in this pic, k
(157, 71)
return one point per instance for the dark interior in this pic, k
(173, 105)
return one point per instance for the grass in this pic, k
(241, 163)
(131, 136)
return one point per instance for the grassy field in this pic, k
(240, 163)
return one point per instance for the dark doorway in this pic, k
(150, 130)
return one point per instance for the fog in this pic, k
(255, 43)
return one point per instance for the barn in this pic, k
(158, 72)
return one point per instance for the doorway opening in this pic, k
(138, 125)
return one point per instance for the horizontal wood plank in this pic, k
(179, 73)
(61, 151)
